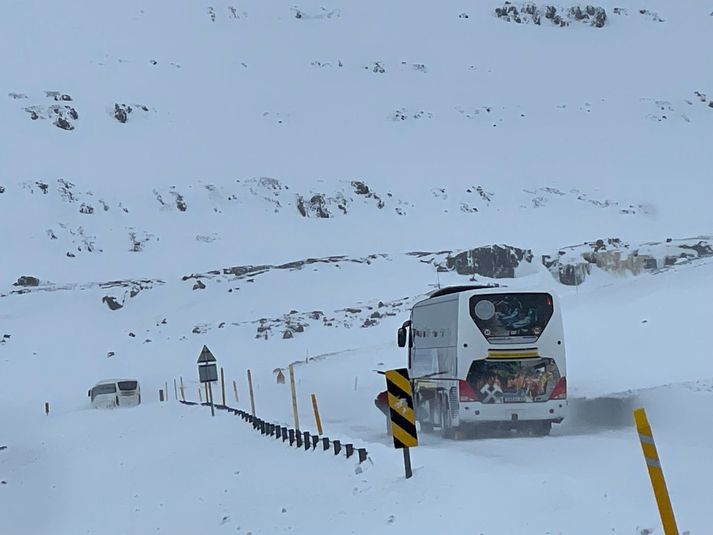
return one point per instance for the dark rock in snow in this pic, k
(121, 112)
(199, 285)
(494, 261)
(111, 302)
(63, 123)
(27, 280)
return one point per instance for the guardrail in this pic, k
(300, 439)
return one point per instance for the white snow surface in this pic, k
(478, 131)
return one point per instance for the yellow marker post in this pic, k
(655, 472)
(317, 419)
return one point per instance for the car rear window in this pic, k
(104, 389)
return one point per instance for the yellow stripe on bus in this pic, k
(512, 354)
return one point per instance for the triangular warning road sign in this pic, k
(206, 356)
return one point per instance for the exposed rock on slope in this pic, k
(573, 264)
(493, 261)
(557, 16)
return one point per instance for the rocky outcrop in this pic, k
(62, 115)
(318, 205)
(571, 265)
(528, 12)
(492, 261)
(27, 280)
(122, 112)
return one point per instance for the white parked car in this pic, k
(112, 393)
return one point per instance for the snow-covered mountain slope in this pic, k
(571, 134)
(281, 182)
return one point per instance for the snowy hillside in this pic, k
(281, 182)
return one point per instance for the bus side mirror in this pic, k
(401, 338)
(89, 393)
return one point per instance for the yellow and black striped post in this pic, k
(403, 417)
(655, 472)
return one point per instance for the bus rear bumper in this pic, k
(474, 412)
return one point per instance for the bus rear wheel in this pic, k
(447, 430)
(426, 427)
(540, 428)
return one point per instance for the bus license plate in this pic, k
(514, 399)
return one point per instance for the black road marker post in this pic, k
(307, 440)
(325, 443)
(298, 439)
(292, 436)
(315, 441)
(362, 455)
(337, 447)
(350, 449)
(284, 434)
(403, 417)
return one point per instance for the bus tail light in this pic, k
(560, 390)
(466, 391)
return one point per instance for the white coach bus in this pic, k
(487, 358)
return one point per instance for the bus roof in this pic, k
(464, 288)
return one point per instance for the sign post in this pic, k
(207, 373)
(403, 417)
